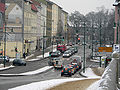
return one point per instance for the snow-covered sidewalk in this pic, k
(43, 85)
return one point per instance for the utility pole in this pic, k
(43, 38)
(84, 50)
(92, 41)
(23, 27)
(100, 34)
(100, 41)
(4, 37)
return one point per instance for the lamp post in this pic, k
(4, 37)
(22, 26)
(92, 41)
(43, 38)
(84, 51)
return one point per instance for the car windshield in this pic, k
(53, 53)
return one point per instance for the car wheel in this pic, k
(25, 64)
(70, 74)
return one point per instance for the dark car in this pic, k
(19, 62)
(6, 58)
(76, 49)
(68, 70)
(55, 54)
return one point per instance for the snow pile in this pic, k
(108, 79)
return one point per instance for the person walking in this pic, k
(24, 55)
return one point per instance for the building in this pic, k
(49, 24)
(21, 27)
(64, 19)
(117, 22)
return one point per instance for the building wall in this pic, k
(55, 19)
(30, 28)
(49, 24)
(43, 23)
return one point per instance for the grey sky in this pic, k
(83, 6)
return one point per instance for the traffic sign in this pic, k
(105, 49)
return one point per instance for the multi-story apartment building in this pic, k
(21, 27)
(2, 19)
(64, 18)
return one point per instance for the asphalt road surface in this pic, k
(10, 82)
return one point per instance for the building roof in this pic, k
(9, 8)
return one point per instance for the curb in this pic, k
(12, 75)
(82, 74)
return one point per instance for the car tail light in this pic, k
(61, 65)
(69, 71)
(62, 71)
(72, 69)
(77, 66)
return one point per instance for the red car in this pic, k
(61, 48)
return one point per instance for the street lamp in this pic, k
(84, 51)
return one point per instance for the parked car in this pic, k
(67, 53)
(61, 48)
(56, 54)
(68, 70)
(19, 62)
(7, 59)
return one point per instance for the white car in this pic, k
(67, 53)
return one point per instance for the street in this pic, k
(13, 81)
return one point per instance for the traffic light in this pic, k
(63, 39)
(78, 39)
(16, 50)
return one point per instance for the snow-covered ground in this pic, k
(3, 68)
(43, 85)
(31, 72)
(40, 56)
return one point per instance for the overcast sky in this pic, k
(83, 6)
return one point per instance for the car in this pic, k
(76, 49)
(76, 60)
(58, 64)
(52, 61)
(7, 59)
(72, 50)
(55, 54)
(19, 62)
(61, 48)
(68, 70)
(67, 53)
